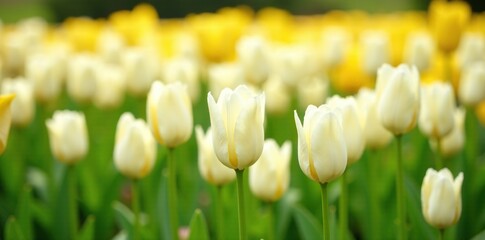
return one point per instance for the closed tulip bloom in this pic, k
(471, 49)
(269, 177)
(441, 198)
(5, 119)
(135, 148)
(183, 70)
(437, 104)
(376, 136)
(68, 136)
(81, 77)
(419, 50)
(140, 67)
(472, 84)
(352, 126)
(312, 91)
(335, 42)
(322, 152)
(399, 98)
(252, 54)
(23, 106)
(375, 50)
(278, 95)
(210, 168)
(453, 142)
(42, 71)
(224, 75)
(110, 87)
(169, 113)
(237, 120)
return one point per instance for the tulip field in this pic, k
(244, 124)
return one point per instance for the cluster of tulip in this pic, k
(429, 71)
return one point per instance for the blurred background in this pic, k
(58, 10)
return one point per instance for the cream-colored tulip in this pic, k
(472, 84)
(5, 119)
(419, 50)
(23, 106)
(183, 70)
(210, 168)
(376, 136)
(68, 136)
(455, 140)
(375, 50)
(252, 54)
(237, 120)
(335, 42)
(224, 75)
(43, 71)
(398, 92)
(352, 123)
(135, 148)
(290, 63)
(278, 96)
(441, 198)
(110, 86)
(471, 49)
(81, 77)
(169, 113)
(322, 152)
(312, 91)
(436, 115)
(140, 67)
(269, 177)
(110, 45)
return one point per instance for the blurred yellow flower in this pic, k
(5, 119)
(349, 76)
(137, 25)
(82, 33)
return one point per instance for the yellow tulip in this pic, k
(5, 119)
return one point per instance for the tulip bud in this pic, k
(23, 106)
(135, 148)
(5, 119)
(81, 77)
(278, 96)
(237, 126)
(41, 69)
(441, 198)
(110, 45)
(252, 54)
(376, 136)
(472, 84)
(185, 71)
(140, 67)
(210, 168)
(224, 75)
(110, 87)
(471, 49)
(335, 41)
(436, 115)
(269, 177)
(352, 126)
(68, 136)
(322, 152)
(169, 113)
(375, 50)
(453, 142)
(312, 91)
(398, 98)
(289, 63)
(419, 50)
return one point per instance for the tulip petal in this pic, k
(218, 125)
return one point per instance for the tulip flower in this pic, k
(453, 142)
(277, 95)
(398, 92)
(335, 42)
(135, 148)
(43, 71)
(68, 136)
(471, 49)
(224, 75)
(441, 198)
(210, 168)
(472, 84)
(376, 136)
(419, 50)
(322, 152)
(169, 113)
(23, 106)
(269, 177)
(110, 87)
(81, 77)
(238, 134)
(252, 54)
(436, 115)
(5, 119)
(312, 91)
(375, 50)
(183, 70)
(140, 66)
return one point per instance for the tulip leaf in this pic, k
(479, 236)
(418, 224)
(284, 209)
(13, 230)
(65, 213)
(308, 226)
(125, 217)
(198, 226)
(87, 230)
(24, 212)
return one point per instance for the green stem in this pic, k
(240, 202)
(172, 195)
(343, 207)
(219, 209)
(439, 157)
(441, 233)
(325, 211)
(373, 197)
(135, 201)
(400, 197)
(71, 171)
(271, 224)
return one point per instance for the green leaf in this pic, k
(13, 230)
(24, 212)
(87, 231)
(124, 217)
(418, 224)
(198, 226)
(284, 207)
(479, 236)
(308, 226)
(65, 222)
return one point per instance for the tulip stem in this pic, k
(172, 194)
(325, 212)
(135, 204)
(240, 203)
(71, 176)
(373, 195)
(401, 208)
(271, 228)
(439, 158)
(219, 209)
(343, 206)
(441, 235)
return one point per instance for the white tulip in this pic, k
(23, 106)
(436, 115)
